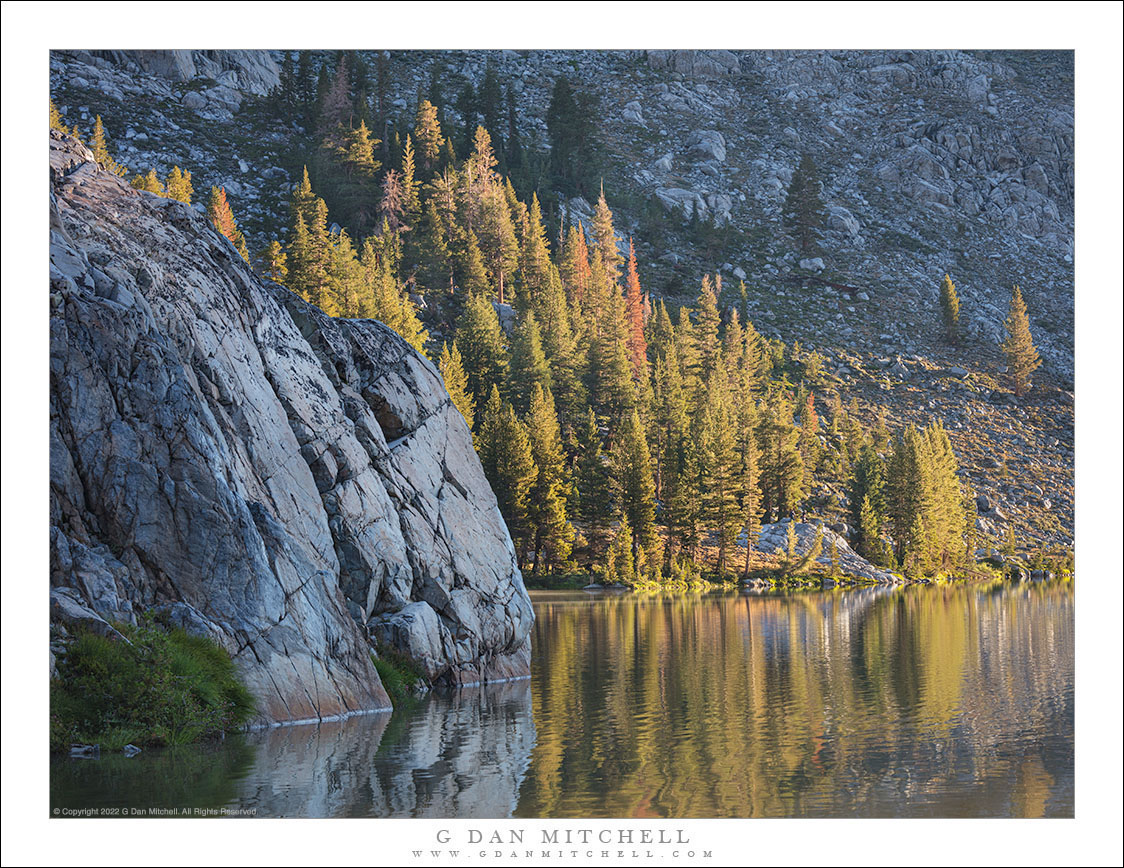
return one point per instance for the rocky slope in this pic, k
(294, 486)
(931, 162)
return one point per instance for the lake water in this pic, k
(950, 701)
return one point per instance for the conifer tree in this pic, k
(868, 503)
(411, 204)
(570, 121)
(529, 368)
(809, 439)
(488, 102)
(390, 302)
(304, 200)
(632, 485)
(1022, 356)
(803, 211)
(950, 310)
(782, 467)
(751, 493)
(178, 185)
(276, 262)
(634, 306)
(473, 275)
(660, 332)
(722, 473)
(620, 562)
(148, 182)
(505, 454)
(345, 278)
(706, 335)
(608, 369)
(552, 534)
(456, 381)
(392, 205)
(592, 505)
(909, 498)
(483, 347)
(605, 238)
(336, 106)
(669, 413)
(222, 218)
(427, 135)
(304, 278)
(99, 144)
(497, 238)
(56, 119)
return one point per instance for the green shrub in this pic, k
(397, 673)
(162, 686)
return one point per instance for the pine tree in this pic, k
(482, 344)
(782, 467)
(222, 218)
(505, 454)
(570, 122)
(456, 381)
(909, 497)
(392, 204)
(950, 310)
(809, 439)
(632, 485)
(390, 303)
(803, 211)
(553, 536)
(427, 135)
(592, 505)
(634, 306)
(56, 119)
(575, 269)
(411, 204)
(529, 368)
(608, 369)
(868, 503)
(345, 278)
(605, 239)
(497, 238)
(473, 275)
(751, 493)
(722, 474)
(148, 182)
(488, 102)
(336, 107)
(276, 267)
(178, 185)
(99, 144)
(1022, 356)
(706, 335)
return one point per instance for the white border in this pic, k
(1093, 29)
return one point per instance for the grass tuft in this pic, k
(161, 687)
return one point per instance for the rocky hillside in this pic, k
(296, 487)
(931, 162)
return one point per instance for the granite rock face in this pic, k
(295, 486)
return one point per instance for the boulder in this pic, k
(774, 538)
(687, 201)
(707, 145)
(842, 220)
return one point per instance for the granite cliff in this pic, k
(299, 488)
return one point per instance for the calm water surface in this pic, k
(915, 702)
